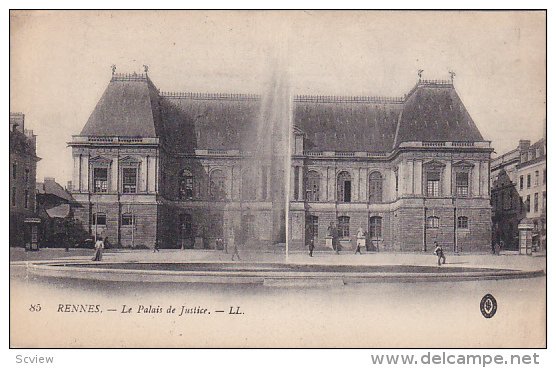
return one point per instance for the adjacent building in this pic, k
(54, 208)
(23, 167)
(518, 180)
(169, 168)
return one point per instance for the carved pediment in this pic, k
(297, 131)
(464, 164)
(434, 164)
(130, 160)
(100, 161)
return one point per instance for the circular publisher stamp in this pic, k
(488, 306)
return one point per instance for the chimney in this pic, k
(31, 137)
(524, 144)
(17, 121)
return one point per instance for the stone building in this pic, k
(54, 208)
(518, 181)
(531, 184)
(170, 167)
(23, 168)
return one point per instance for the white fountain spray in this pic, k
(273, 141)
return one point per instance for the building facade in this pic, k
(170, 168)
(23, 168)
(531, 172)
(518, 181)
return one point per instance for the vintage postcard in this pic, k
(300, 179)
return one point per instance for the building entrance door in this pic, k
(185, 238)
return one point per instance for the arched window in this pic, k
(375, 227)
(433, 222)
(344, 187)
(463, 222)
(217, 184)
(312, 186)
(186, 185)
(343, 226)
(375, 187)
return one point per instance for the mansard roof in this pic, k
(128, 108)
(433, 111)
(132, 106)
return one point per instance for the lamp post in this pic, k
(424, 224)
(455, 204)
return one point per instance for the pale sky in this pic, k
(60, 62)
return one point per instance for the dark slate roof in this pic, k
(51, 187)
(208, 121)
(333, 124)
(132, 106)
(434, 112)
(344, 125)
(128, 107)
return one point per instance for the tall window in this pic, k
(343, 226)
(528, 203)
(463, 222)
(521, 182)
(129, 180)
(100, 179)
(13, 196)
(344, 187)
(462, 184)
(127, 219)
(186, 185)
(248, 191)
(375, 227)
(433, 222)
(536, 202)
(433, 184)
(26, 176)
(249, 226)
(528, 180)
(99, 219)
(312, 186)
(217, 184)
(14, 170)
(26, 198)
(536, 177)
(544, 201)
(375, 187)
(544, 176)
(313, 222)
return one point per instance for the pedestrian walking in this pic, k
(311, 246)
(439, 253)
(360, 239)
(156, 247)
(99, 246)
